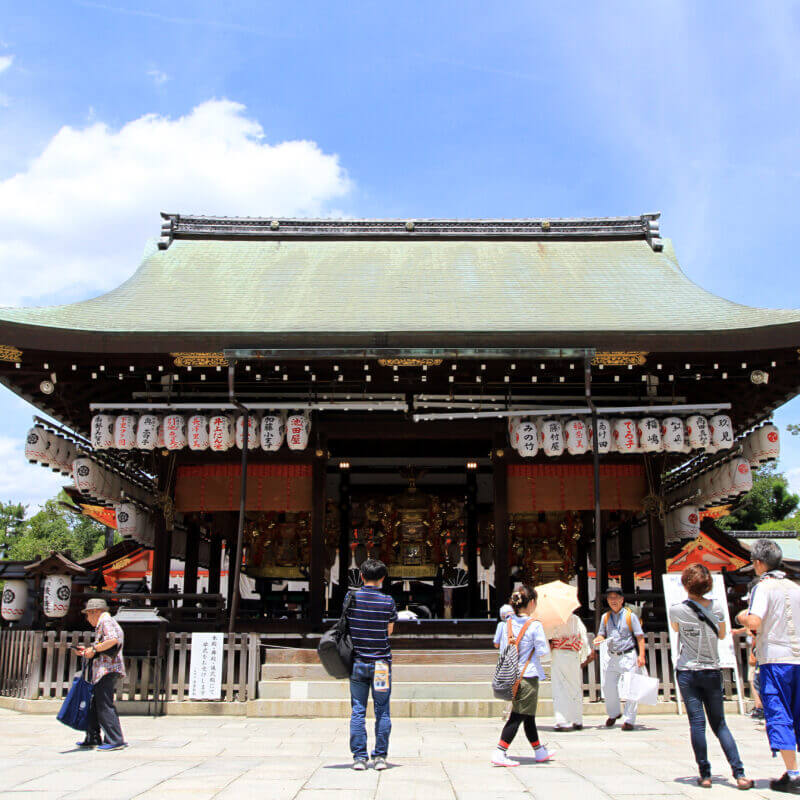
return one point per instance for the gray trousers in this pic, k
(102, 712)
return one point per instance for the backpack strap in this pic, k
(530, 657)
(629, 619)
(700, 613)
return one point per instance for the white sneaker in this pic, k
(501, 759)
(379, 763)
(359, 764)
(541, 754)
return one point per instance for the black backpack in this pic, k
(335, 648)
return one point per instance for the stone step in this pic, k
(487, 709)
(340, 690)
(404, 673)
(274, 655)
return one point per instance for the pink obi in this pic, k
(566, 643)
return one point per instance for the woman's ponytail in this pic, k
(521, 597)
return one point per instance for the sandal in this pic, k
(744, 783)
(704, 782)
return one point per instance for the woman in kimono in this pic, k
(569, 653)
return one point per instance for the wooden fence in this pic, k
(42, 664)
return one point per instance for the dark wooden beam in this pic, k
(192, 555)
(214, 564)
(627, 575)
(317, 565)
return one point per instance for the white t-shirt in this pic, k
(777, 602)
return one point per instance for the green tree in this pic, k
(768, 501)
(55, 528)
(12, 522)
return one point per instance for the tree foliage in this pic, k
(51, 528)
(769, 501)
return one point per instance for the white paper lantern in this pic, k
(87, 475)
(174, 431)
(767, 443)
(672, 434)
(252, 435)
(273, 431)
(147, 432)
(551, 438)
(15, 600)
(102, 437)
(719, 486)
(197, 434)
(56, 595)
(220, 433)
(513, 422)
(626, 437)
(125, 432)
(37, 443)
(721, 429)
(670, 536)
(687, 522)
(697, 432)
(127, 520)
(649, 431)
(298, 430)
(527, 439)
(160, 441)
(576, 437)
(740, 476)
(66, 455)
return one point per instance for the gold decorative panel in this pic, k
(620, 358)
(9, 353)
(199, 359)
(409, 362)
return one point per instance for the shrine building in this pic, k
(474, 402)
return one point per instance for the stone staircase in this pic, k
(425, 683)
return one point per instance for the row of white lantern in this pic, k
(218, 432)
(681, 523)
(96, 481)
(50, 450)
(761, 445)
(621, 435)
(135, 522)
(56, 596)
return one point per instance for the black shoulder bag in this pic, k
(701, 615)
(335, 648)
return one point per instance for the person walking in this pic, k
(569, 647)
(371, 617)
(505, 612)
(700, 624)
(531, 643)
(107, 669)
(774, 616)
(621, 627)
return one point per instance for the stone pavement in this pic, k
(306, 759)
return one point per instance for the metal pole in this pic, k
(598, 543)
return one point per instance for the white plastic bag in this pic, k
(639, 687)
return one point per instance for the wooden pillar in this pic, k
(658, 559)
(316, 577)
(502, 577)
(192, 556)
(162, 553)
(471, 530)
(627, 576)
(344, 534)
(214, 564)
(581, 569)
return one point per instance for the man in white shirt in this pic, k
(774, 614)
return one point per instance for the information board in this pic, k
(205, 666)
(675, 593)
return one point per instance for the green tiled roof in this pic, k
(388, 285)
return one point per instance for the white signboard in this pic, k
(205, 666)
(675, 593)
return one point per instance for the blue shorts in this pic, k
(780, 696)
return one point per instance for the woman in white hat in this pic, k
(107, 669)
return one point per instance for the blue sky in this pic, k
(111, 112)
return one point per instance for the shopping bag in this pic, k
(74, 710)
(638, 687)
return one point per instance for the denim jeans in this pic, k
(702, 694)
(360, 682)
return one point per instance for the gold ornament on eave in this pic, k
(9, 353)
(620, 358)
(200, 359)
(409, 362)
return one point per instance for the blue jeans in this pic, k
(360, 682)
(702, 694)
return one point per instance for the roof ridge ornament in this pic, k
(178, 226)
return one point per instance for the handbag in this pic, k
(335, 648)
(74, 711)
(638, 687)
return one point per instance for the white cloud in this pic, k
(21, 482)
(793, 476)
(6, 62)
(159, 77)
(76, 219)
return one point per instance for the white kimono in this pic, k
(569, 647)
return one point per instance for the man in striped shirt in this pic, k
(371, 619)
